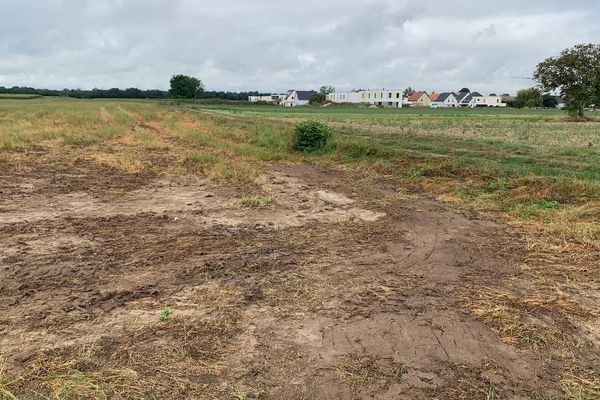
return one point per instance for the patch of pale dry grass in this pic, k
(579, 383)
(107, 117)
(178, 358)
(553, 276)
(125, 160)
(216, 295)
(361, 371)
(292, 294)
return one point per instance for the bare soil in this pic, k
(342, 288)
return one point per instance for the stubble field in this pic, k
(151, 250)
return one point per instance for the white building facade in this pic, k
(487, 101)
(296, 98)
(382, 98)
(445, 100)
(270, 98)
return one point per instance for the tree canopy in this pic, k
(187, 87)
(575, 73)
(317, 98)
(326, 90)
(549, 101)
(529, 98)
(130, 93)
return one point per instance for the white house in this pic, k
(488, 101)
(383, 98)
(295, 98)
(270, 98)
(446, 99)
(475, 99)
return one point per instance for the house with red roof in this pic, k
(419, 99)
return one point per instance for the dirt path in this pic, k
(341, 288)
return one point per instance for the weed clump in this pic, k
(310, 136)
(166, 313)
(257, 201)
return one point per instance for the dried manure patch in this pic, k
(312, 284)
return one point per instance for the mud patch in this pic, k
(331, 290)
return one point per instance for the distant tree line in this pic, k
(533, 98)
(130, 93)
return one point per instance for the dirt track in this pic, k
(340, 289)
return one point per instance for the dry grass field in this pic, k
(151, 250)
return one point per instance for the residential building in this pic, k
(468, 99)
(461, 97)
(489, 101)
(270, 98)
(354, 96)
(445, 99)
(419, 99)
(382, 98)
(295, 98)
(507, 98)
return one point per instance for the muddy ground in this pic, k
(342, 288)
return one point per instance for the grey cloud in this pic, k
(276, 45)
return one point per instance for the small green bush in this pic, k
(310, 136)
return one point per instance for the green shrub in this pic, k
(310, 136)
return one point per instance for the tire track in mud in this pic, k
(291, 293)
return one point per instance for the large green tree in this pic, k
(317, 98)
(187, 87)
(327, 90)
(549, 101)
(575, 73)
(529, 98)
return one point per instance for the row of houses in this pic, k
(395, 99)
(454, 99)
(292, 98)
(387, 98)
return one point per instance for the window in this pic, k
(390, 96)
(397, 95)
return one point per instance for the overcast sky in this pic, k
(277, 45)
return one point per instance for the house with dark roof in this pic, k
(468, 99)
(460, 96)
(476, 99)
(297, 98)
(446, 99)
